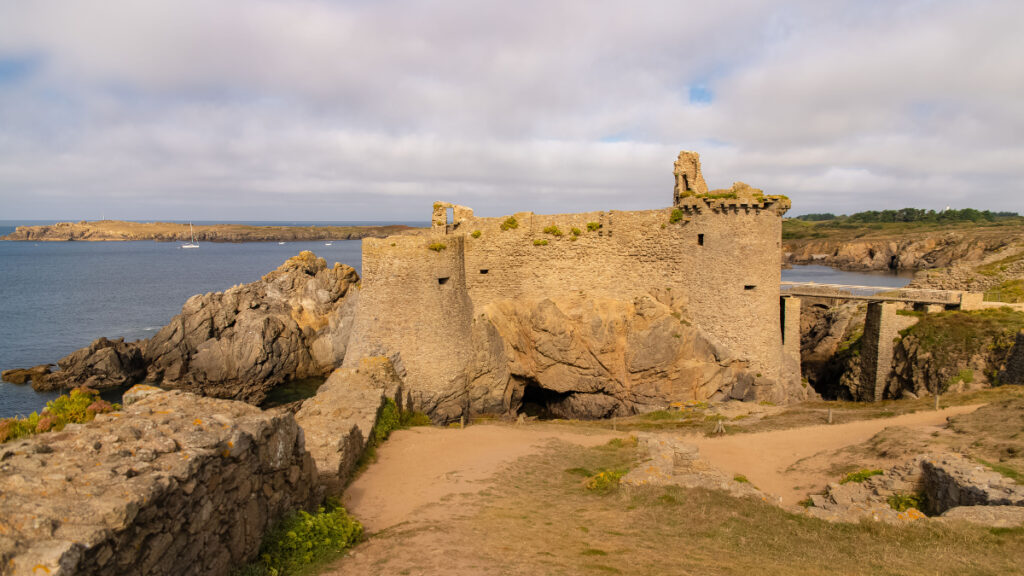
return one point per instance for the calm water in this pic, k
(57, 297)
(827, 275)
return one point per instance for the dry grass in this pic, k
(742, 418)
(536, 517)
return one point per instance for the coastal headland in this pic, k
(119, 230)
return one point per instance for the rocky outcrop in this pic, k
(116, 230)
(294, 323)
(173, 484)
(909, 252)
(672, 462)
(103, 364)
(339, 419)
(241, 343)
(23, 375)
(582, 357)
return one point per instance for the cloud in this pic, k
(371, 110)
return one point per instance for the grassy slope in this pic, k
(536, 517)
(793, 229)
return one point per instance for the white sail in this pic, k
(192, 233)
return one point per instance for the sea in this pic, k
(57, 297)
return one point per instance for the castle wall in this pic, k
(722, 264)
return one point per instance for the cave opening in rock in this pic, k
(541, 402)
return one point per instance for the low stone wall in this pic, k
(952, 481)
(175, 484)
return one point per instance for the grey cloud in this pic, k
(302, 109)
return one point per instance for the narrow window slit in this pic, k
(484, 271)
(749, 287)
(442, 280)
(700, 239)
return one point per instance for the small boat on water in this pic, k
(192, 233)
(328, 243)
(281, 243)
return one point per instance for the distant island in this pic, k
(118, 230)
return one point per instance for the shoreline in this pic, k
(125, 231)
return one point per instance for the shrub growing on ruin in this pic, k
(675, 216)
(437, 246)
(476, 233)
(576, 231)
(302, 539)
(593, 226)
(78, 406)
(553, 230)
(540, 242)
(860, 476)
(903, 502)
(388, 420)
(510, 223)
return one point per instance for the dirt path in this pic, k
(425, 466)
(764, 457)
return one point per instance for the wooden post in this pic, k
(462, 421)
(829, 414)
(936, 400)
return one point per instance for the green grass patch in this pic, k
(1011, 291)
(1004, 470)
(593, 226)
(78, 406)
(741, 479)
(575, 231)
(437, 246)
(675, 216)
(510, 223)
(540, 242)
(860, 476)
(476, 234)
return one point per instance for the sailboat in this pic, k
(193, 243)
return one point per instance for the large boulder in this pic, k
(101, 365)
(584, 357)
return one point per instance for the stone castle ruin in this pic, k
(586, 315)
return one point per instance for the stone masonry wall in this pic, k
(876, 350)
(414, 302)
(175, 484)
(1014, 371)
(723, 262)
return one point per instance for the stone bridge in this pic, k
(880, 326)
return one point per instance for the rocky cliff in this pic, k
(116, 230)
(910, 252)
(241, 343)
(583, 357)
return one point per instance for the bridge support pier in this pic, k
(790, 308)
(876, 350)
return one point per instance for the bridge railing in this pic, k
(884, 293)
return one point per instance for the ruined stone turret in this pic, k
(689, 180)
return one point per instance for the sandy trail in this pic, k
(764, 457)
(424, 466)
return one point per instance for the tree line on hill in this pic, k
(911, 215)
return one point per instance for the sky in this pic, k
(372, 110)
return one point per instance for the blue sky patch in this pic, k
(700, 94)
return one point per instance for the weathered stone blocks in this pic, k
(175, 484)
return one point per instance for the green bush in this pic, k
(741, 479)
(593, 226)
(80, 405)
(388, 420)
(576, 231)
(860, 476)
(302, 540)
(476, 233)
(676, 216)
(437, 246)
(605, 480)
(553, 230)
(411, 418)
(903, 502)
(540, 242)
(510, 223)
